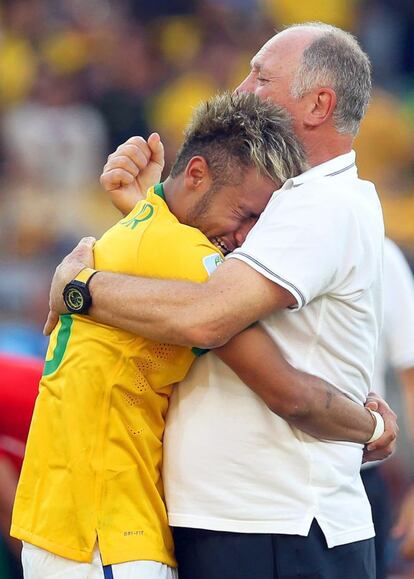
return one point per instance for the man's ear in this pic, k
(320, 107)
(197, 173)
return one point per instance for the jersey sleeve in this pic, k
(306, 241)
(399, 297)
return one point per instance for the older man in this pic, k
(250, 496)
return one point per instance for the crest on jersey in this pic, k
(143, 214)
(212, 261)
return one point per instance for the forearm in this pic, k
(8, 478)
(305, 401)
(157, 309)
(331, 415)
(407, 379)
(179, 312)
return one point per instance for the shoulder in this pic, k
(324, 198)
(395, 263)
(174, 250)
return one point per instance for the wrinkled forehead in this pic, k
(266, 52)
(284, 49)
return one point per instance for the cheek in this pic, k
(230, 225)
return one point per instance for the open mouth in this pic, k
(218, 242)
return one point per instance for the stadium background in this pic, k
(78, 77)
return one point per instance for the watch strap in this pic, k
(85, 275)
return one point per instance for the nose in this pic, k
(244, 86)
(241, 233)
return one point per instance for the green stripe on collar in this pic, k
(159, 190)
(199, 352)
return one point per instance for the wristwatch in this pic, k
(76, 294)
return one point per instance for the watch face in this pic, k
(74, 299)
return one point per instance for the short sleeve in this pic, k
(300, 240)
(399, 308)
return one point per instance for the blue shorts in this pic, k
(220, 555)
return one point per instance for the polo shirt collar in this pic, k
(341, 164)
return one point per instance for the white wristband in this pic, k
(379, 426)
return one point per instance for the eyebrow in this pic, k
(258, 67)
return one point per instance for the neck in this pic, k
(173, 191)
(321, 147)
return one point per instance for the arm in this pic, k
(214, 305)
(404, 528)
(124, 178)
(8, 478)
(407, 380)
(233, 298)
(304, 401)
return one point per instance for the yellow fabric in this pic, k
(18, 64)
(338, 12)
(93, 460)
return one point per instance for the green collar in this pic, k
(159, 190)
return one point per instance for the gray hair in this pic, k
(236, 131)
(335, 59)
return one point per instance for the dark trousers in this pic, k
(220, 555)
(10, 566)
(378, 496)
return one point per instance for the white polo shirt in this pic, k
(230, 463)
(396, 344)
(396, 347)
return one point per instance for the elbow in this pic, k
(206, 336)
(293, 408)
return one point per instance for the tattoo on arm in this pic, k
(329, 397)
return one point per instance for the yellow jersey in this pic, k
(92, 469)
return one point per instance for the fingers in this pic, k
(124, 165)
(387, 442)
(157, 149)
(52, 320)
(373, 400)
(375, 455)
(130, 159)
(83, 252)
(383, 448)
(86, 242)
(79, 258)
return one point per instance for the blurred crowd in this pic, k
(78, 77)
